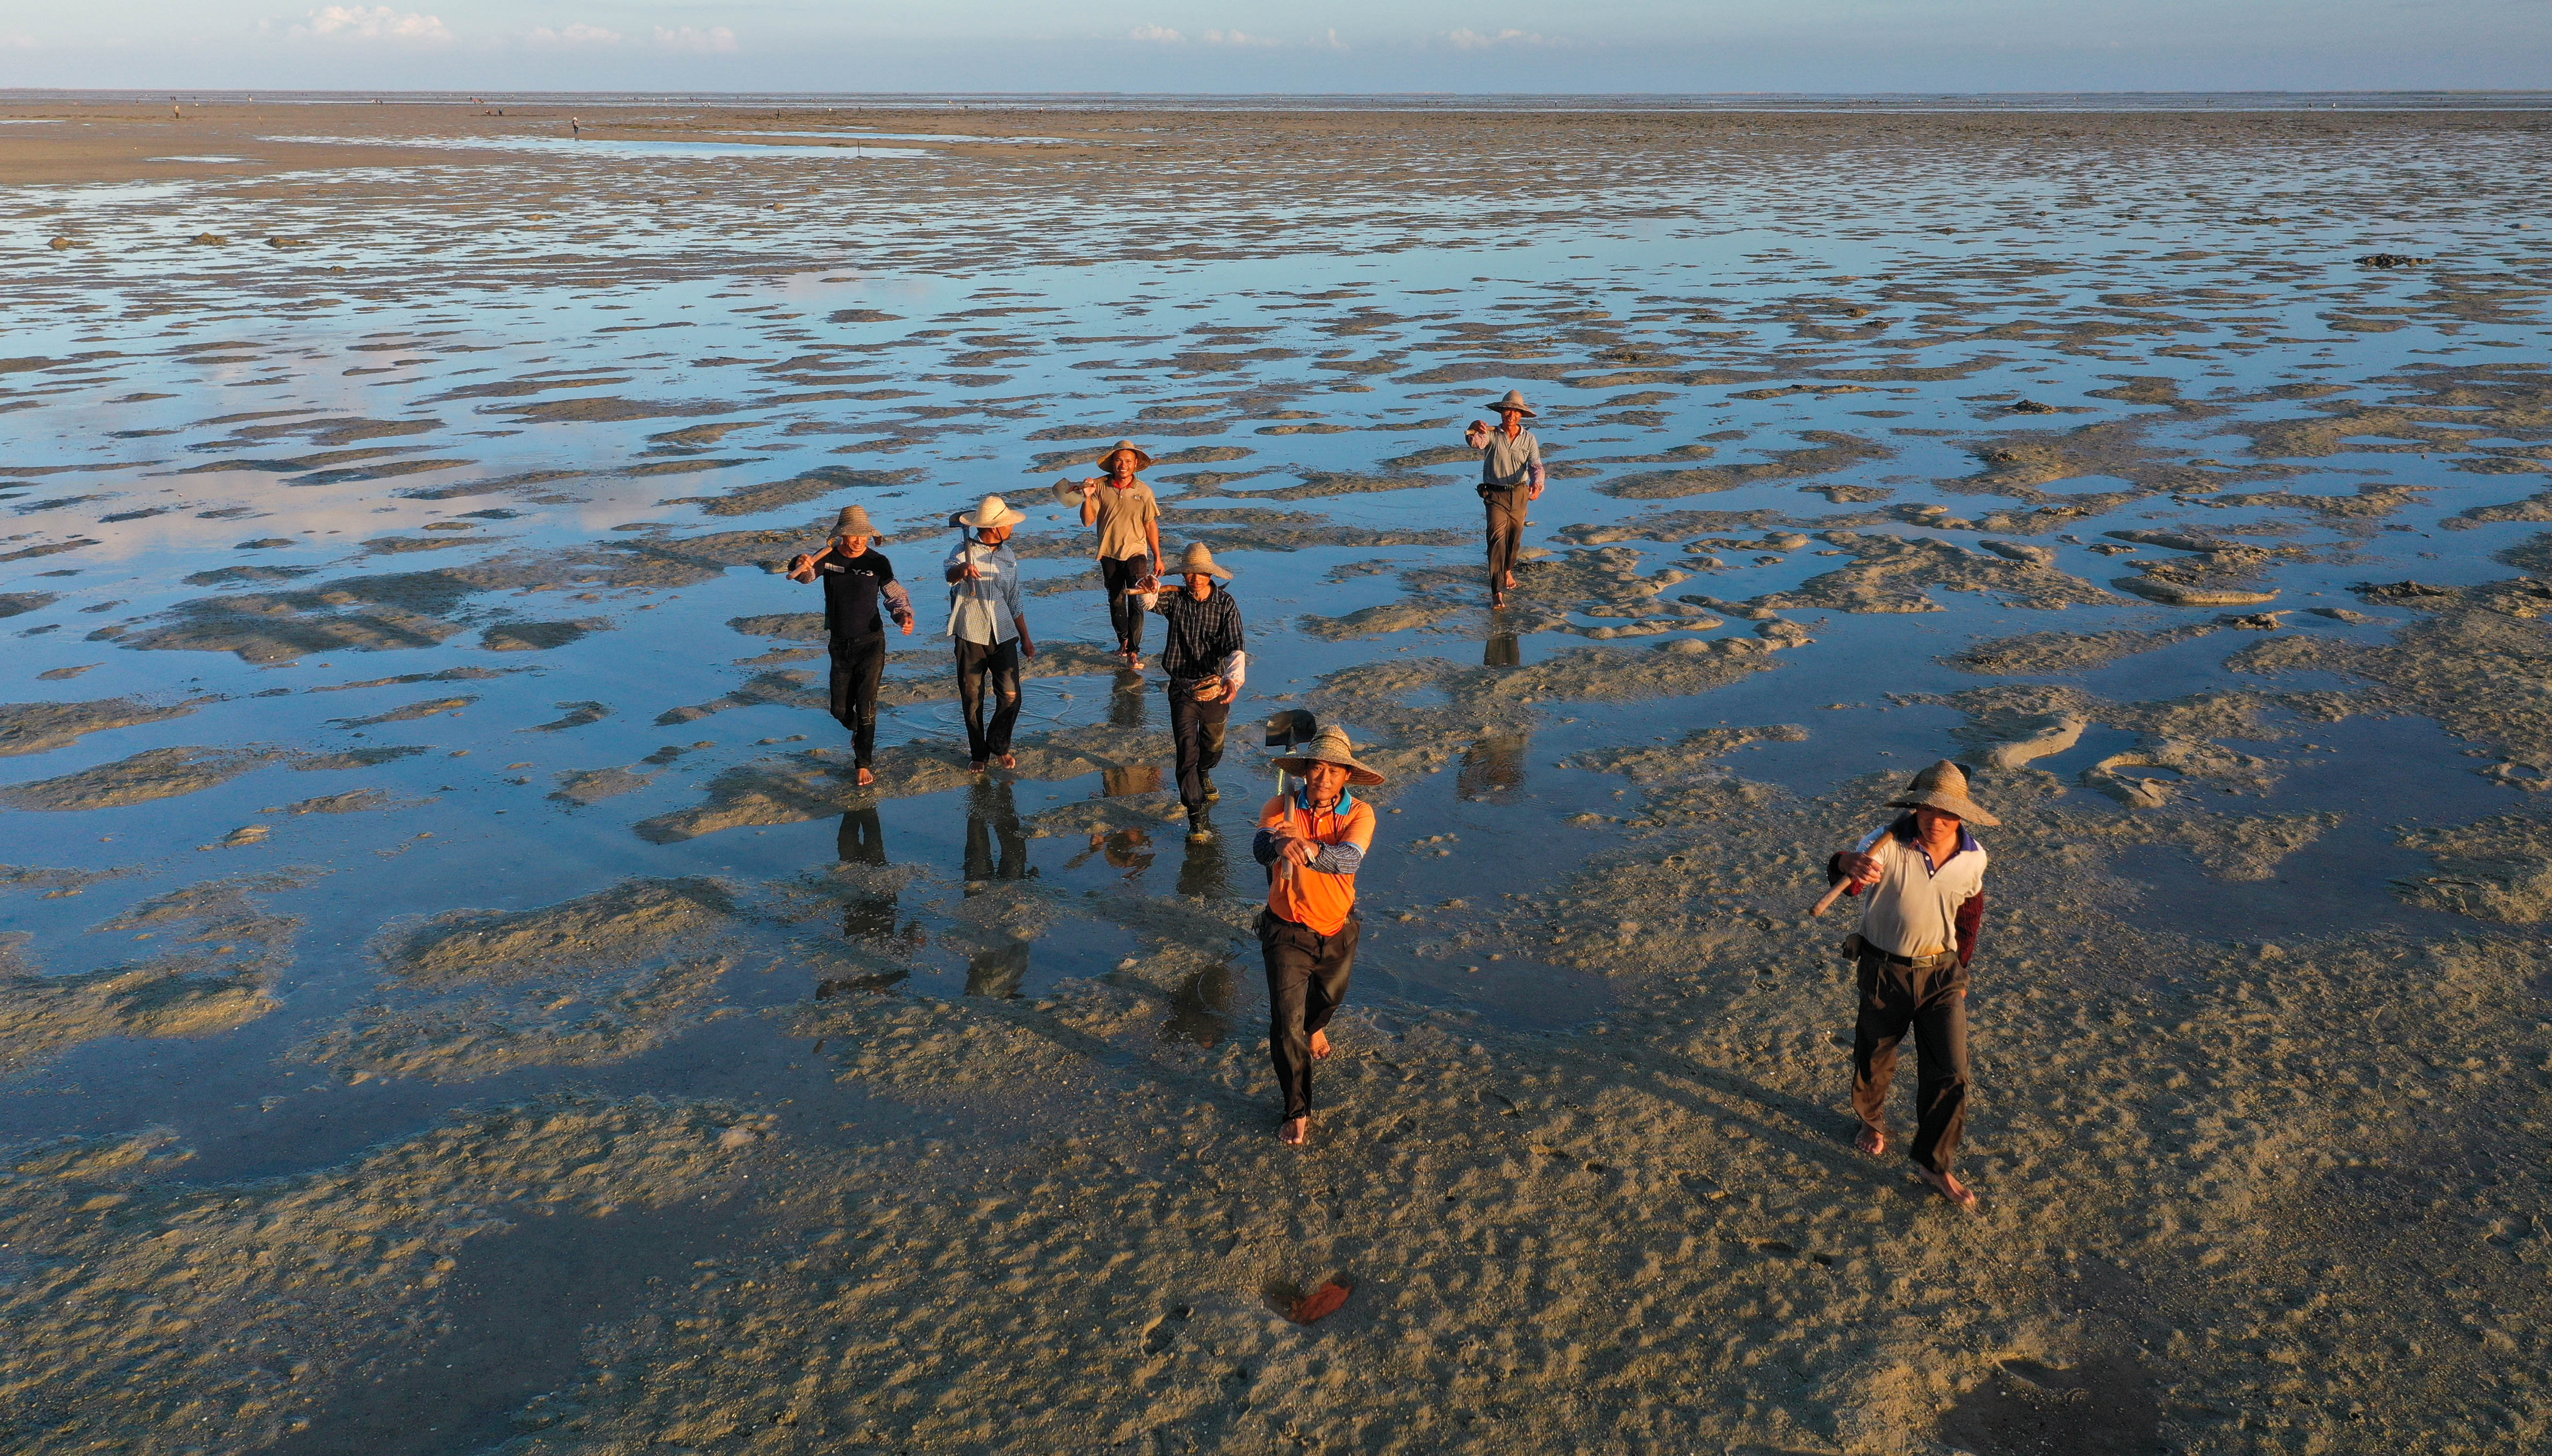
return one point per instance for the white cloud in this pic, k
(1162, 34)
(375, 23)
(578, 33)
(1330, 41)
(692, 37)
(1470, 40)
(1236, 38)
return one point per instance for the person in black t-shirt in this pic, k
(856, 582)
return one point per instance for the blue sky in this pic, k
(1307, 46)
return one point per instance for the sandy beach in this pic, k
(454, 996)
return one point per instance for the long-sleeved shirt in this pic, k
(1322, 894)
(1507, 463)
(854, 587)
(1919, 908)
(1204, 637)
(986, 609)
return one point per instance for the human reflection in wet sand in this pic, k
(1201, 1009)
(1504, 649)
(992, 818)
(1125, 704)
(1130, 849)
(996, 849)
(869, 906)
(1493, 766)
(999, 971)
(1204, 871)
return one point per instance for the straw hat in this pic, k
(1942, 786)
(995, 511)
(854, 521)
(1142, 461)
(1329, 746)
(1199, 560)
(1515, 400)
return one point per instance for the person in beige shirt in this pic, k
(1921, 882)
(1122, 508)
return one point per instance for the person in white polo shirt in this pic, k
(1921, 883)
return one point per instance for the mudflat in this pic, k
(456, 996)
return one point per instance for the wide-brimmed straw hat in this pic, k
(1942, 786)
(1199, 560)
(854, 521)
(1142, 461)
(995, 511)
(1515, 400)
(1329, 746)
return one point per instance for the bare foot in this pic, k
(975, 767)
(1871, 1140)
(1134, 664)
(1295, 1130)
(867, 778)
(1320, 1046)
(1009, 761)
(1946, 1185)
(1510, 581)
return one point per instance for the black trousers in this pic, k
(1306, 980)
(995, 669)
(1931, 1001)
(858, 663)
(1197, 728)
(1506, 530)
(1118, 574)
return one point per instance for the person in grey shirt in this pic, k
(1511, 479)
(989, 629)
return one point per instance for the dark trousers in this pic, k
(1307, 979)
(997, 667)
(1931, 1001)
(1124, 613)
(1197, 728)
(1506, 530)
(858, 664)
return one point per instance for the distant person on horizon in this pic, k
(1924, 908)
(1511, 479)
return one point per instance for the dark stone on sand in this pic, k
(2391, 261)
(265, 543)
(16, 603)
(2032, 407)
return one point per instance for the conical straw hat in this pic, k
(1942, 786)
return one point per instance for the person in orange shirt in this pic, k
(1312, 841)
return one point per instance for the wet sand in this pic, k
(454, 996)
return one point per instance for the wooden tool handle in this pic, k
(1832, 895)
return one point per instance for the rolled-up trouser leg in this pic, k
(1307, 981)
(1886, 1010)
(1506, 531)
(992, 670)
(1119, 574)
(1198, 729)
(859, 663)
(1941, 1064)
